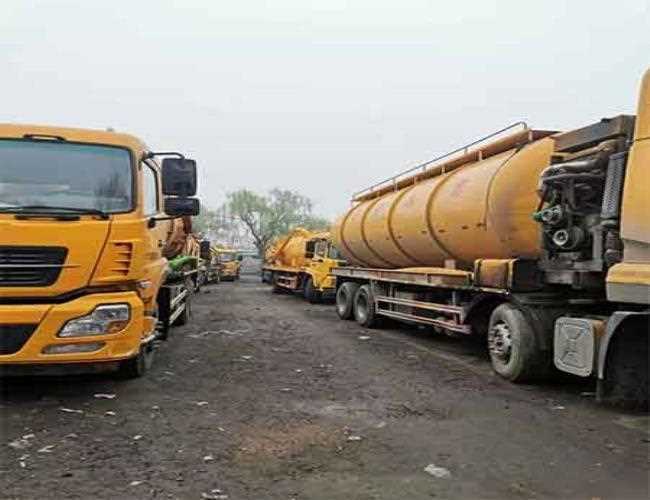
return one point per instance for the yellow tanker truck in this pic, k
(91, 246)
(302, 261)
(537, 240)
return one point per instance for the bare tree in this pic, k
(269, 216)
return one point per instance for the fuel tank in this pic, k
(478, 207)
(289, 250)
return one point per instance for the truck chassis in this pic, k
(518, 321)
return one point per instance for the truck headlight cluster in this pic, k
(103, 320)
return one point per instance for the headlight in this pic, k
(106, 319)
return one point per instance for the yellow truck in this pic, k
(88, 228)
(536, 240)
(228, 262)
(302, 262)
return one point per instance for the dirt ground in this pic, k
(264, 396)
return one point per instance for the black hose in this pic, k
(577, 176)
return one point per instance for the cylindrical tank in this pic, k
(178, 231)
(482, 209)
(289, 250)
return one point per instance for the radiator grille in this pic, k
(30, 266)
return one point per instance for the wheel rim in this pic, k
(500, 342)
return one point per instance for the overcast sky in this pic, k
(324, 97)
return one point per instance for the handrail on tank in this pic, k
(464, 149)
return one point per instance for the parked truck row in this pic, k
(536, 240)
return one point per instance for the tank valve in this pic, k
(550, 216)
(568, 239)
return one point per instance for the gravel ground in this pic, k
(264, 396)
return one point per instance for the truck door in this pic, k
(156, 230)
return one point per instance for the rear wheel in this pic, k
(345, 300)
(139, 365)
(513, 346)
(364, 308)
(312, 295)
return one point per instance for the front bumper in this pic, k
(46, 321)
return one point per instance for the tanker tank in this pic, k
(476, 205)
(178, 231)
(289, 250)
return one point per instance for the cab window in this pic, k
(149, 190)
(321, 248)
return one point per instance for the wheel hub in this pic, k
(500, 341)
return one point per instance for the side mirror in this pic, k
(177, 207)
(178, 177)
(240, 258)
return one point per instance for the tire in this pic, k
(364, 308)
(312, 295)
(513, 346)
(199, 282)
(139, 365)
(274, 281)
(626, 371)
(345, 300)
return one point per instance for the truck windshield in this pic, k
(64, 175)
(334, 253)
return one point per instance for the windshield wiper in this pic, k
(40, 209)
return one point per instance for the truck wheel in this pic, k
(276, 288)
(626, 373)
(139, 365)
(345, 299)
(513, 347)
(364, 308)
(312, 295)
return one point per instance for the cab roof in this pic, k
(90, 136)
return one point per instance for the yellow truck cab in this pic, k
(84, 219)
(229, 262)
(322, 256)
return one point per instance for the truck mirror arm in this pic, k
(151, 222)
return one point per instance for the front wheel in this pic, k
(276, 287)
(345, 300)
(513, 346)
(312, 295)
(137, 366)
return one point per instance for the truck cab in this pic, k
(322, 256)
(229, 262)
(84, 219)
